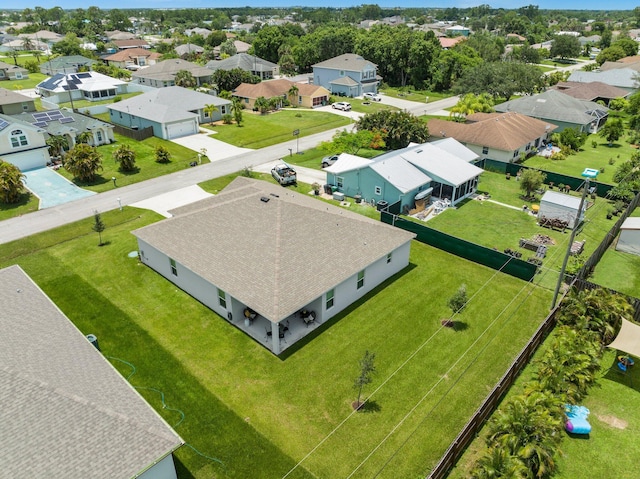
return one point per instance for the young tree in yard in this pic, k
(531, 180)
(344, 141)
(367, 369)
(458, 301)
(98, 226)
(11, 185)
(126, 157)
(612, 130)
(470, 104)
(83, 162)
(236, 108)
(57, 144)
(399, 127)
(209, 109)
(261, 104)
(162, 155)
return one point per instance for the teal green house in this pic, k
(442, 169)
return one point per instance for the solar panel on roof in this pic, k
(84, 75)
(67, 120)
(55, 114)
(3, 124)
(40, 124)
(40, 116)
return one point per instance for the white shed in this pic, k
(554, 205)
(629, 239)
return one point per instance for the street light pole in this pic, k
(588, 173)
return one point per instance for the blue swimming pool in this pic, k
(52, 189)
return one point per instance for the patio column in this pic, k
(275, 338)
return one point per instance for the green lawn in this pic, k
(27, 204)
(145, 161)
(497, 226)
(26, 84)
(258, 131)
(411, 94)
(600, 157)
(260, 415)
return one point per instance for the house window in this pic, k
(378, 190)
(18, 139)
(18, 76)
(515, 153)
(360, 279)
(341, 73)
(329, 301)
(25, 106)
(339, 182)
(222, 298)
(485, 150)
(389, 256)
(174, 269)
(99, 136)
(246, 100)
(300, 100)
(206, 113)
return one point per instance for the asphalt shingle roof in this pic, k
(244, 61)
(553, 105)
(348, 61)
(590, 91)
(167, 70)
(502, 131)
(66, 412)
(275, 256)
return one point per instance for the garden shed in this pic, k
(560, 206)
(629, 239)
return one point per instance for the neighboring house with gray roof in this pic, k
(625, 78)
(260, 246)
(91, 86)
(70, 124)
(400, 175)
(12, 72)
(67, 412)
(12, 102)
(188, 49)
(347, 75)
(67, 64)
(163, 74)
(497, 136)
(263, 69)
(172, 112)
(559, 109)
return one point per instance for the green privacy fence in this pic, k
(557, 178)
(464, 249)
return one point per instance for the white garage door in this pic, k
(176, 130)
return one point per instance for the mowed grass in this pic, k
(258, 131)
(146, 164)
(500, 227)
(588, 157)
(261, 415)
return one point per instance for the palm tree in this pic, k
(185, 78)
(125, 155)
(209, 109)
(261, 104)
(83, 161)
(11, 182)
(236, 109)
(27, 43)
(293, 93)
(498, 463)
(84, 137)
(57, 144)
(470, 104)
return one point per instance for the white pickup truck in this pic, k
(284, 174)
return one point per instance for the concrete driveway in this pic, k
(215, 149)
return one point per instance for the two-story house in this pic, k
(22, 144)
(347, 75)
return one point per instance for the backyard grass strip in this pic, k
(457, 380)
(405, 362)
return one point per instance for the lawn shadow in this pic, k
(24, 199)
(577, 436)
(371, 406)
(625, 378)
(98, 180)
(460, 326)
(134, 171)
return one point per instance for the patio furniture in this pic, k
(308, 316)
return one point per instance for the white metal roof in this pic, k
(437, 162)
(347, 162)
(561, 199)
(400, 173)
(631, 223)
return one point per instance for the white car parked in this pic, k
(372, 97)
(342, 105)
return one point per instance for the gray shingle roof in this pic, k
(348, 61)
(244, 61)
(80, 122)
(553, 105)
(172, 103)
(66, 412)
(620, 77)
(167, 69)
(275, 256)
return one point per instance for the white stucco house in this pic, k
(22, 144)
(259, 247)
(66, 411)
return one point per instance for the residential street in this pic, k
(43, 220)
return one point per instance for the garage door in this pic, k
(176, 130)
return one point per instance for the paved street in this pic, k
(43, 220)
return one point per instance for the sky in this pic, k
(509, 4)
